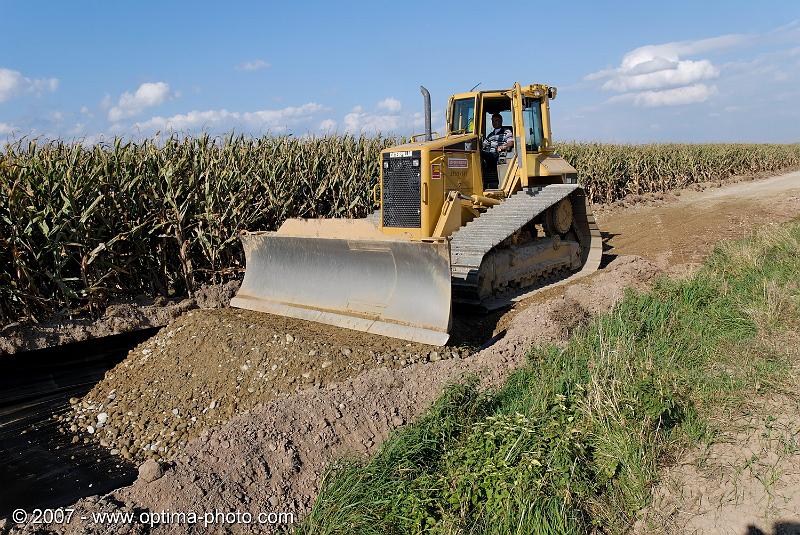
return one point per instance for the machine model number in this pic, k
(457, 163)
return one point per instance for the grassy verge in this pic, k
(572, 442)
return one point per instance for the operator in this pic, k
(500, 139)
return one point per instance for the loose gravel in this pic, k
(209, 365)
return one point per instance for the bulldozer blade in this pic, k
(392, 288)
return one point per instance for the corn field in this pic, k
(80, 225)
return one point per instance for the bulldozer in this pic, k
(456, 223)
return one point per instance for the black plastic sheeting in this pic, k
(39, 466)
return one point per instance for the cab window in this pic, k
(532, 120)
(463, 115)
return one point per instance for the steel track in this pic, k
(471, 244)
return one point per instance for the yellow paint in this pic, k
(438, 209)
(456, 212)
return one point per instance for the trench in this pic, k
(39, 466)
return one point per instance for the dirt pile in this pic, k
(209, 365)
(552, 316)
(271, 457)
(120, 317)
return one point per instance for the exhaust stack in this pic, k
(426, 96)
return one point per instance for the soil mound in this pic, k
(209, 365)
(272, 456)
(120, 317)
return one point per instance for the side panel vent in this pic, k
(401, 191)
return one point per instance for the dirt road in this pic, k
(684, 230)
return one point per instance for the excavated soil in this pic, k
(119, 317)
(266, 450)
(208, 365)
(272, 456)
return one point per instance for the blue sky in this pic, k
(626, 71)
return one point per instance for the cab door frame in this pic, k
(519, 135)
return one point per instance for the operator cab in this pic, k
(527, 156)
(494, 173)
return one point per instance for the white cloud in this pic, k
(387, 119)
(656, 67)
(677, 49)
(255, 65)
(660, 75)
(148, 94)
(359, 121)
(273, 120)
(668, 97)
(773, 64)
(328, 125)
(678, 73)
(362, 122)
(5, 128)
(13, 84)
(390, 104)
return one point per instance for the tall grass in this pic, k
(572, 442)
(80, 225)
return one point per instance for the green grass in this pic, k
(573, 441)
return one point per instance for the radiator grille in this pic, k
(401, 192)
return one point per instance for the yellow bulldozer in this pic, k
(458, 221)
